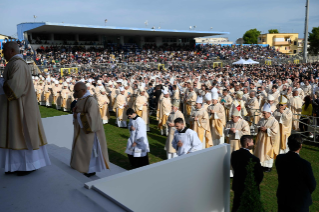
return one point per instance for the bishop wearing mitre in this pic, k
(217, 120)
(284, 117)
(89, 150)
(164, 111)
(22, 137)
(267, 142)
(200, 123)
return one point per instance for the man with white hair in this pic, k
(119, 107)
(103, 102)
(217, 120)
(284, 116)
(267, 142)
(295, 105)
(175, 113)
(164, 110)
(141, 107)
(199, 120)
(271, 102)
(23, 140)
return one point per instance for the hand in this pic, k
(212, 111)
(134, 144)
(145, 104)
(132, 128)
(195, 118)
(281, 110)
(233, 130)
(263, 129)
(179, 144)
(171, 124)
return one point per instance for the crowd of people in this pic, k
(194, 109)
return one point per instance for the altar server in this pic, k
(89, 150)
(137, 145)
(185, 140)
(22, 137)
(267, 142)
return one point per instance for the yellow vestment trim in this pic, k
(139, 113)
(120, 112)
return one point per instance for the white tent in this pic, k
(241, 62)
(250, 61)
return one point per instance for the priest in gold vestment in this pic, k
(141, 107)
(103, 105)
(89, 150)
(164, 111)
(267, 142)
(22, 137)
(119, 107)
(284, 117)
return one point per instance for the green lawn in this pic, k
(117, 138)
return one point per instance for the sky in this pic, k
(233, 16)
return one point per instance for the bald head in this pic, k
(79, 89)
(10, 49)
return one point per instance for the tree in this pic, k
(273, 31)
(313, 41)
(250, 199)
(251, 36)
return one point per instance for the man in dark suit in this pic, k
(239, 161)
(295, 179)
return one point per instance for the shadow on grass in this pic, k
(119, 159)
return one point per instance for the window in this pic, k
(41, 36)
(169, 40)
(295, 43)
(64, 37)
(88, 38)
(150, 39)
(263, 40)
(295, 51)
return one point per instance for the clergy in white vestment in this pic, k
(185, 140)
(164, 111)
(119, 107)
(267, 142)
(137, 147)
(217, 120)
(175, 113)
(284, 117)
(89, 150)
(295, 105)
(22, 137)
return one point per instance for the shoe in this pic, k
(162, 132)
(268, 169)
(7, 173)
(89, 174)
(24, 173)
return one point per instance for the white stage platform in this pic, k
(195, 182)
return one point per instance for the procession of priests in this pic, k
(195, 110)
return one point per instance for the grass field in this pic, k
(117, 138)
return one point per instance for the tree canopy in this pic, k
(272, 31)
(314, 41)
(251, 36)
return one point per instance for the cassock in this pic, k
(22, 137)
(138, 155)
(267, 143)
(89, 148)
(295, 105)
(119, 107)
(201, 126)
(285, 121)
(190, 140)
(171, 152)
(217, 123)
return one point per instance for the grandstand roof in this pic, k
(84, 29)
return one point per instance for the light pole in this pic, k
(34, 16)
(305, 44)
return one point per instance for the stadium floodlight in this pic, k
(159, 27)
(105, 21)
(34, 16)
(146, 22)
(190, 27)
(211, 28)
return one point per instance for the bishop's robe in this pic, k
(103, 102)
(171, 152)
(89, 148)
(217, 123)
(202, 127)
(119, 107)
(295, 105)
(285, 123)
(267, 143)
(142, 110)
(22, 137)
